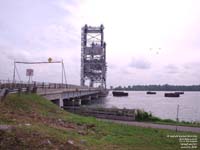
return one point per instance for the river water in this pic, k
(158, 105)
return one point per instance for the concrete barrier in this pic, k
(105, 113)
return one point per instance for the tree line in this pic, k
(165, 87)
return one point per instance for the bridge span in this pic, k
(60, 94)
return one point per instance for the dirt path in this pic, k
(157, 126)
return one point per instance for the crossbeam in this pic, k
(39, 62)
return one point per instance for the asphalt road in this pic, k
(157, 126)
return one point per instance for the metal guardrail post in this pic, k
(42, 84)
(27, 90)
(34, 90)
(19, 91)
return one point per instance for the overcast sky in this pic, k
(148, 41)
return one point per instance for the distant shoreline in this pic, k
(165, 87)
(156, 90)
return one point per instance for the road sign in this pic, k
(29, 72)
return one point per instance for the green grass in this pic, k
(43, 117)
(141, 115)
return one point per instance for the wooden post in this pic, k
(177, 120)
(19, 91)
(14, 72)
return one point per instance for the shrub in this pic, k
(141, 115)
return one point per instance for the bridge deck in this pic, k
(52, 94)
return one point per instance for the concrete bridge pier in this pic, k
(86, 100)
(93, 98)
(61, 104)
(96, 96)
(76, 101)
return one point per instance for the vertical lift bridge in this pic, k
(93, 56)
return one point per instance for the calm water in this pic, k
(158, 105)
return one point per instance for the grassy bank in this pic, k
(148, 117)
(36, 123)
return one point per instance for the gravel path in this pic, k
(156, 126)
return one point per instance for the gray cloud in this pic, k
(140, 64)
(192, 65)
(9, 53)
(171, 69)
(192, 69)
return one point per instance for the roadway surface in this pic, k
(156, 126)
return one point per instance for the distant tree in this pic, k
(165, 87)
(129, 87)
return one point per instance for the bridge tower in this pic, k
(93, 56)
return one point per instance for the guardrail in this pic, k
(20, 84)
(12, 85)
(4, 92)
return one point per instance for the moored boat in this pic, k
(172, 95)
(119, 93)
(150, 92)
(179, 92)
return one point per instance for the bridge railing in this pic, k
(5, 91)
(43, 85)
(20, 84)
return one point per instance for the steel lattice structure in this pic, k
(93, 56)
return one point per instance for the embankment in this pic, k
(28, 121)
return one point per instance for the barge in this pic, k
(119, 93)
(150, 92)
(172, 95)
(179, 92)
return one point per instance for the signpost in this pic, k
(29, 73)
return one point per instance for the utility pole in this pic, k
(14, 73)
(177, 120)
(62, 72)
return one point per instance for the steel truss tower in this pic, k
(93, 56)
